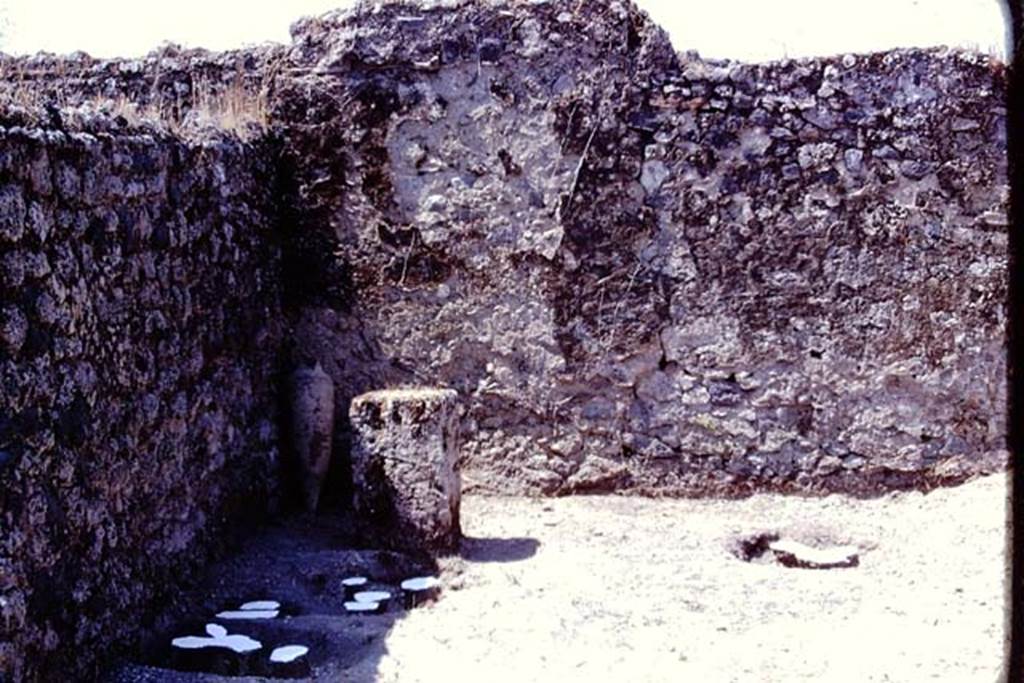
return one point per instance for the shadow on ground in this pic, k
(499, 549)
(299, 562)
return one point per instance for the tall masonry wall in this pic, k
(644, 270)
(640, 270)
(139, 328)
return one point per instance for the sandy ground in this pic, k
(631, 589)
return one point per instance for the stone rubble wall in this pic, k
(640, 271)
(172, 79)
(646, 271)
(140, 323)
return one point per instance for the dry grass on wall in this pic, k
(235, 108)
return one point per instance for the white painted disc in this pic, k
(372, 596)
(288, 653)
(193, 642)
(353, 581)
(248, 614)
(421, 583)
(238, 643)
(216, 630)
(361, 606)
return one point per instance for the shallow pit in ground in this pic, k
(796, 551)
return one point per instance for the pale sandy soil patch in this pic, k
(635, 589)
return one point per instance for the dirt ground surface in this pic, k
(631, 589)
(637, 590)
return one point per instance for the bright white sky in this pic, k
(739, 29)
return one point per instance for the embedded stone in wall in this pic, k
(404, 469)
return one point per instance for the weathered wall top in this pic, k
(170, 75)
